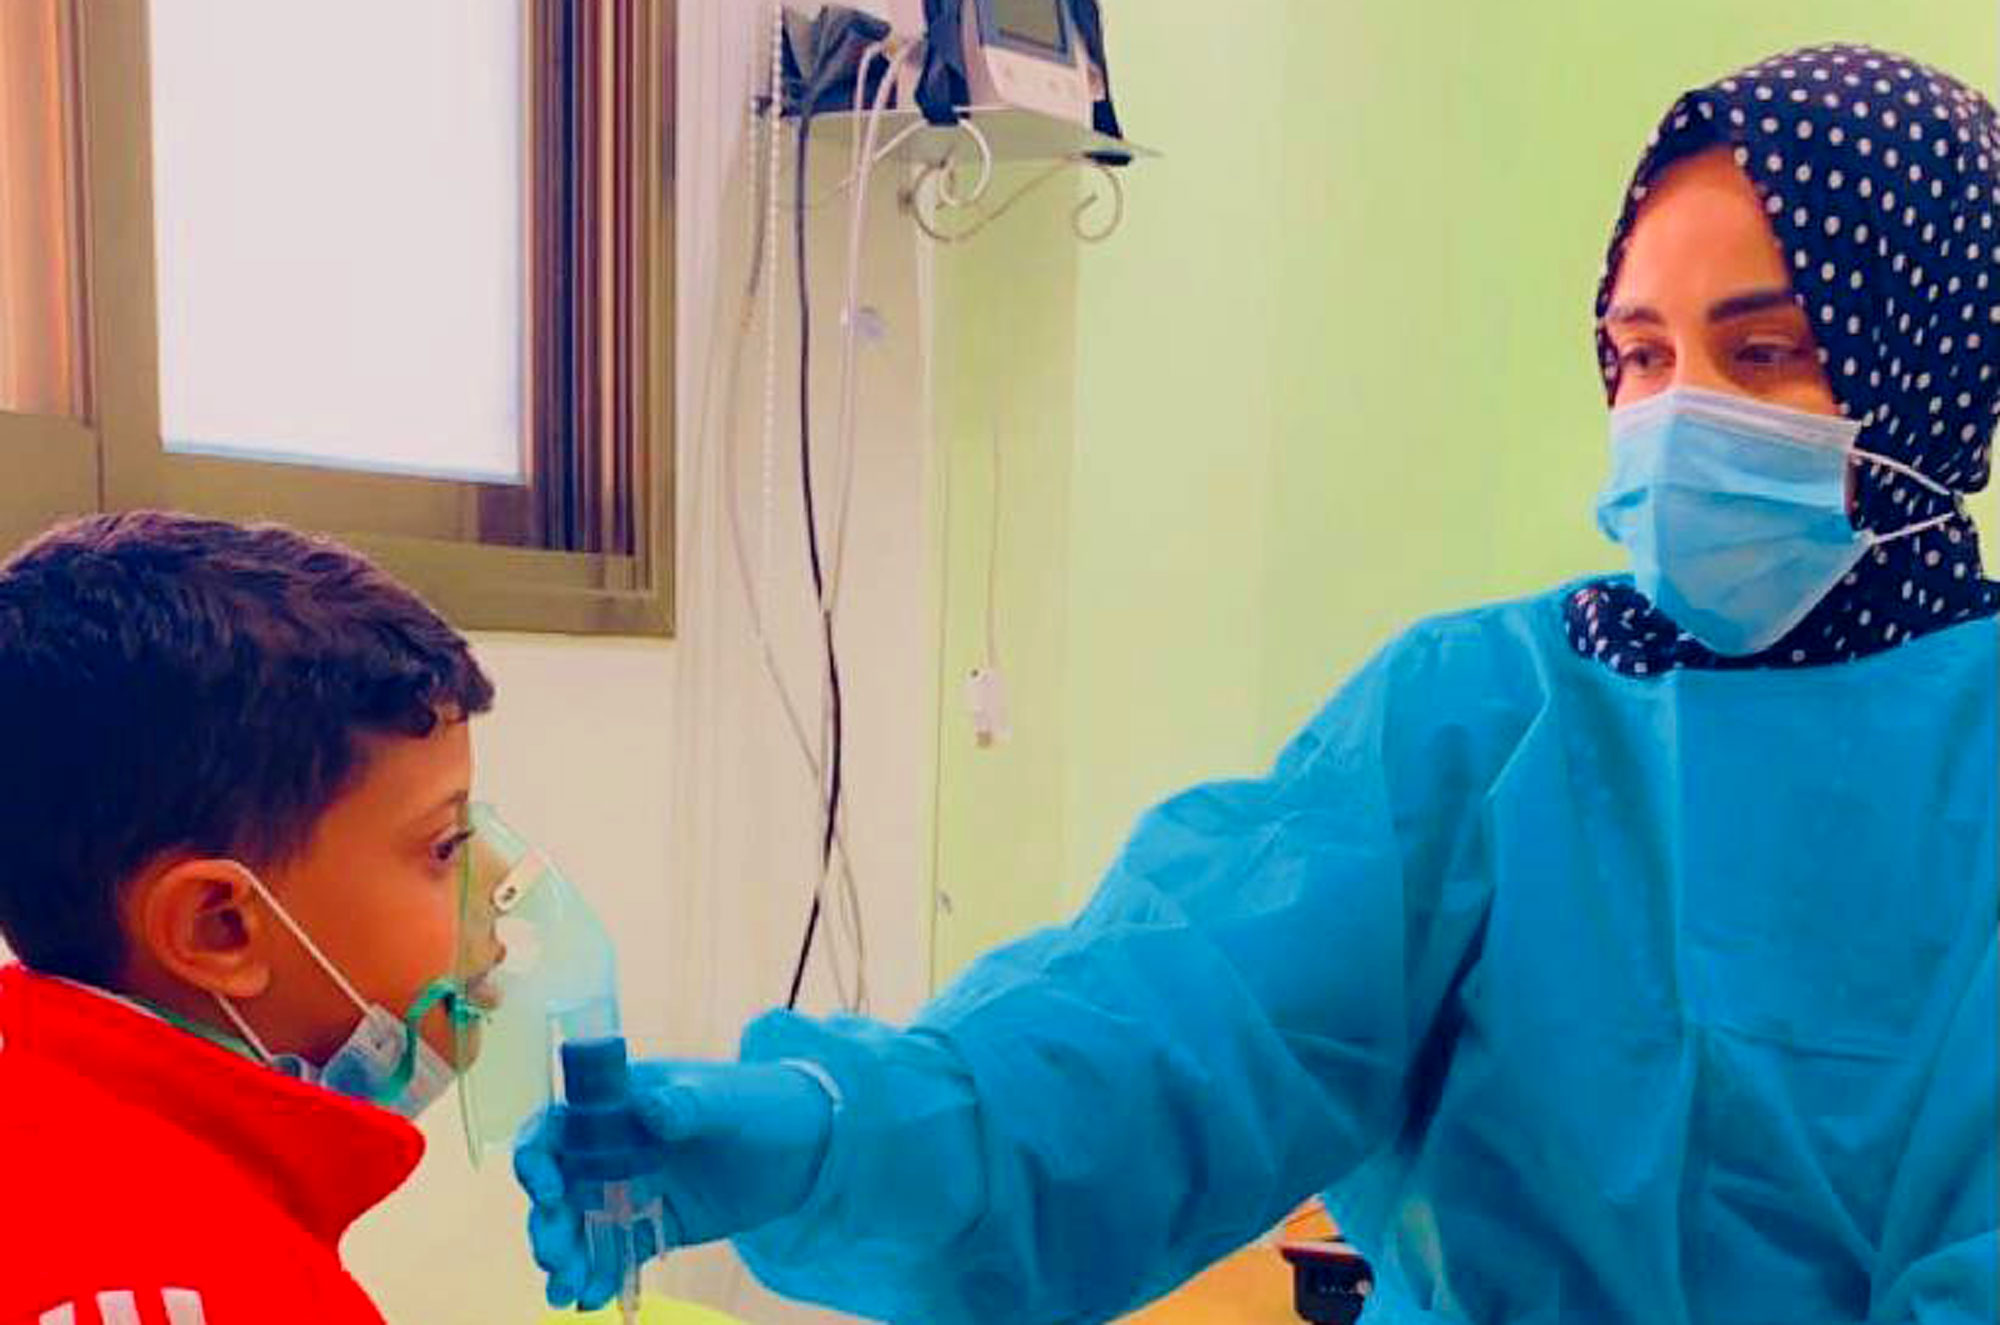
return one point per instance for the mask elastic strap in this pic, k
(312, 949)
(243, 1027)
(1936, 522)
(199, 1030)
(1884, 462)
(1938, 489)
(1957, 500)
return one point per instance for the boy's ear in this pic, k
(200, 921)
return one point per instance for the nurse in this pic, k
(1626, 953)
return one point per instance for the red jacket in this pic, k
(151, 1178)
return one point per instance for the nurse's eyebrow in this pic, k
(1742, 305)
(1737, 305)
(1627, 314)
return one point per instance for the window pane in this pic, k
(38, 343)
(338, 200)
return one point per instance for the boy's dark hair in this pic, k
(170, 683)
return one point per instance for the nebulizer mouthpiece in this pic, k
(604, 1154)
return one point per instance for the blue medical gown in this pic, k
(1584, 998)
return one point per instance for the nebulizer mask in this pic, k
(555, 982)
(533, 969)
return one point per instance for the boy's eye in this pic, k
(446, 851)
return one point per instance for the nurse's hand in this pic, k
(731, 1148)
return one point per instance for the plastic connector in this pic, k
(986, 695)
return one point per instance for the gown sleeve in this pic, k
(1092, 1115)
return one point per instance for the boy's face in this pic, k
(376, 888)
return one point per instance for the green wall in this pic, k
(1335, 373)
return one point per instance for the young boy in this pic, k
(234, 768)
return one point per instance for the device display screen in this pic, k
(1036, 23)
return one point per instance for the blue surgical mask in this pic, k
(1735, 512)
(384, 1060)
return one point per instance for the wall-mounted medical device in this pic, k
(1028, 54)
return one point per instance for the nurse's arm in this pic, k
(1094, 1114)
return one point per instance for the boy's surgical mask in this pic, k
(384, 1060)
(374, 1060)
(1735, 512)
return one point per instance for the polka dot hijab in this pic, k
(1882, 180)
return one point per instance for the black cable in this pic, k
(834, 768)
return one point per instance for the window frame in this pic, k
(424, 530)
(49, 454)
(51, 468)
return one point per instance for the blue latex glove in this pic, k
(738, 1146)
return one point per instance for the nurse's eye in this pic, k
(1769, 354)
(1643, 358)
